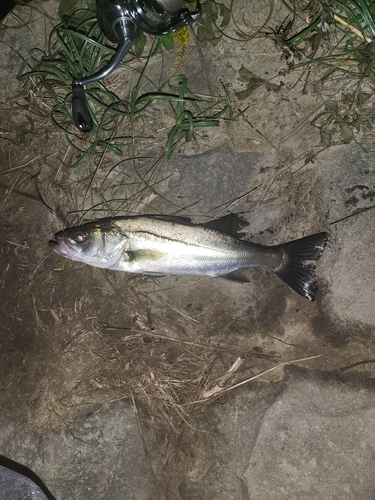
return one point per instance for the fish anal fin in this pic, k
(229, 224)
(239, 275)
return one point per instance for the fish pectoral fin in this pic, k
(229, 224)
(239, 275)
(142, 255)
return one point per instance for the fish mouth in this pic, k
(60, 247)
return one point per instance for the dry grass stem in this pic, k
(214, 347)
(218, 389)
(351, 28)
(135, 409)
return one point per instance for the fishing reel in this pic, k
(122, 21)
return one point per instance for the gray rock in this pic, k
(99, 456)
(313, 438)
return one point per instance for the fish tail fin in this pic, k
(297, 272)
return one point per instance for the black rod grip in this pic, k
(80, 111)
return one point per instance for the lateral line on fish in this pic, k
(162, 237)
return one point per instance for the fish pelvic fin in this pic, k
(296, 271)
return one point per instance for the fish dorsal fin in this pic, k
(239, 275)
(186, 221)
(229, 224)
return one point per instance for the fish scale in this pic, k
(188, 249)
(155, 244)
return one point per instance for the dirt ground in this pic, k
(75, 337)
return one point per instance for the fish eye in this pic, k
(79, 236)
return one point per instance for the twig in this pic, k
(21, 193)
(214, 347)
(23, 165)
(233, 201)
(234, 367)
(184, 315)
(260, 133)
(135, 409)
(351, 28)
(358, 363)
(220, 390)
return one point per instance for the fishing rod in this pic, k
(122, 21)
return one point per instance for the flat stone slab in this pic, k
(98, 456)
(311, 436)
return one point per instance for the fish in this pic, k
(157, 245)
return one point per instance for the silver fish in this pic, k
(158, 245)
